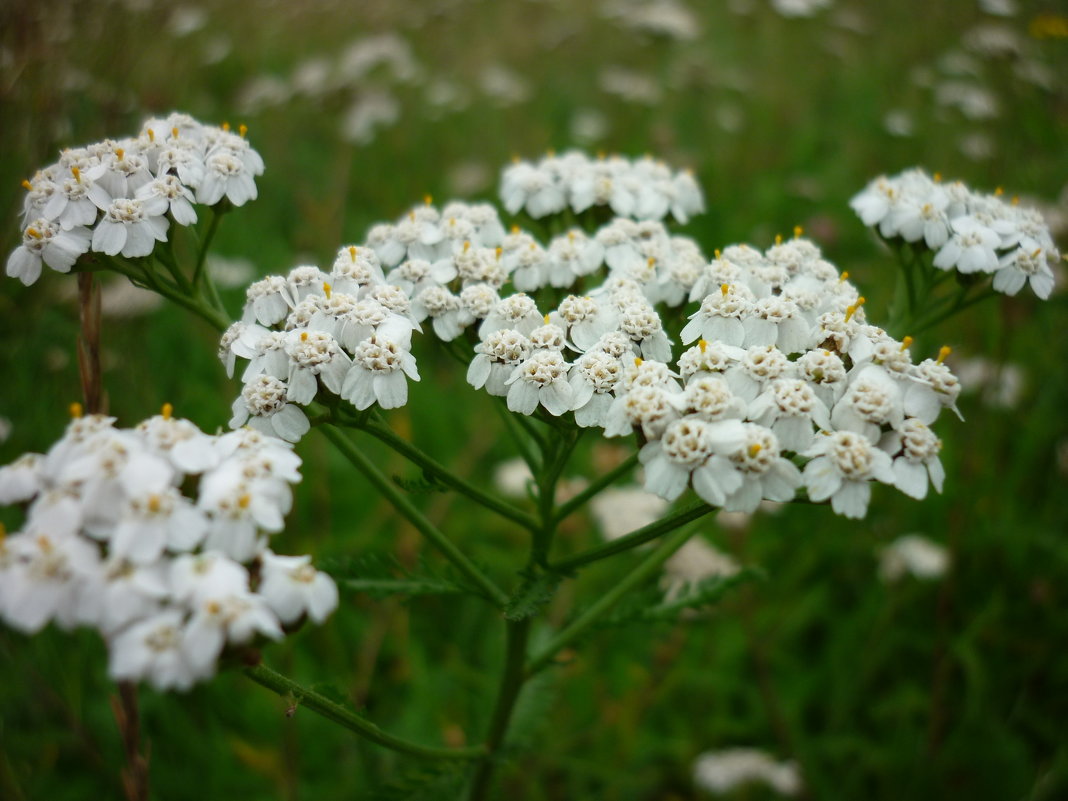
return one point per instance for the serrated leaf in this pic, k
(424, 485)
(381, 575)
(534, 592)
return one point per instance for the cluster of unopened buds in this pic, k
(781, 384)
(970, 232)
(112, 540)
(118, 197)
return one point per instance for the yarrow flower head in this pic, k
(968, 231)
(168, 579)
(120, 197)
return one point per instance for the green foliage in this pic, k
(535, 591)
(381, 575)
(918, 690)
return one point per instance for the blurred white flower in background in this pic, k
(694, 562)
(619, 511)
(912, 555)
(721, 772)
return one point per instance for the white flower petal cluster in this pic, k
(111, 540)
(783, 386)
(642, 189)
(118, 197)
(969, 232)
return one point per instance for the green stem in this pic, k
(649, 565)
(595, 488)
(202, 253)
(144, 277)
(512, 678)
(554, 460)
(516, 430)
(436, 538)
(286, 687)
(635, 538)
(382, 432)
(959, 305)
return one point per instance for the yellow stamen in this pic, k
(26, 184)
(938, 177)
(1015, 200)
(546, 318)
(327, 289)
(174, 132)
(717, 253)
(1035, 254)
(500, 250)
(212, 607)
(754, 449)
(778, 239)
(225, 126)
(44, 543)
(638, 361)
(75, 410)
(515, 229)
(943, 352)
(906, 343)
(151, 135)
(428, 199)
(33, 232)
(76, 173)
(303, 336)
(166, 411)
(798, 230)
(120, 154)
(853, 308)
(352, 252)
(724, 289)
(411, 216)
(242, 129)
(570, 236)
(244, 501)
(999, 191)
(702, 344)
(844, 276)
(467, 245)
(153, 503)
(650, 261)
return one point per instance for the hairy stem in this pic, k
(512, 678)
(436, 538)
(650, 564)
(634, 538)
(382, 432)
(286, 687)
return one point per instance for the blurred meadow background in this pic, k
(875, 683)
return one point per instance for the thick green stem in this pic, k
(386, 435)
(554, 460)
(596, 487)
(436, 538)
(635, 538)
(512, 678)
(286, 687)
(649, 565)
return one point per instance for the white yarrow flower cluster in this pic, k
(642, 189)
(118, 197)
(968, 231)
(170, 580)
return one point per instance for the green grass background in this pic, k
(955, 688)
